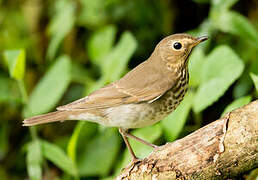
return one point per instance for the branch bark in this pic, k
(223, 149)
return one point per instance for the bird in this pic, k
(142, 97)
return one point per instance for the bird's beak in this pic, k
(199, 40)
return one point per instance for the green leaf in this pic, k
(4, 137)
(208, 93)
(222, 63)
(81, 133)
(236, 104)
(58, 157)
(255, 80)
(100, 154)
(221, 68)
(195, 64)
(80, 74)
(223, 4)
(34, 160)
(61, 24)
(254, 63)
(235, 23)
(174, 123)
(50, 88)
(8, 90)
(91, 87)
(71, 148)
(15, 60)
(149, 134)
(202, 1)
(205, 28)
(108, 178)
(100, 43)
(243, 85)
(92, 13)
(116, 61)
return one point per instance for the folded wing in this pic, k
(143, 84)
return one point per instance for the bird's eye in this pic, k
(177, 45)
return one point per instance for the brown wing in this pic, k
(143, 83)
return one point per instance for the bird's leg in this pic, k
(123, 133)
(139, 139)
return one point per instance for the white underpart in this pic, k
(125, 116)
(130, 116)
(87, 117)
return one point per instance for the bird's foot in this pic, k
(154, 146)
(140, 140)
(131, 165)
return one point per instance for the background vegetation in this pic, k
(54, 52)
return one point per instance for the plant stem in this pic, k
(33, 133)
(25, 99)
(198, 119)
(71, 148)
(23, 91)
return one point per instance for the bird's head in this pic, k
(175, 49)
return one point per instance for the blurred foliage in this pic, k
(54, 52)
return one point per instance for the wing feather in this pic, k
(144, 83)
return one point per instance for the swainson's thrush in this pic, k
(144, 96)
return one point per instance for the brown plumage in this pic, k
(142, 97)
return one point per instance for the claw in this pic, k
(131, 165)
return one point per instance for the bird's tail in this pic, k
(45, 118)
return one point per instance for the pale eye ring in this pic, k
(177, 45)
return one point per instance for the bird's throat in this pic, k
(175, 67)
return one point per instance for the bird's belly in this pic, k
(143, 114)
(131, 116)
(138, 115)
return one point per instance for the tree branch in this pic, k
(223, 149)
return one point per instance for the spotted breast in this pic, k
(145, 114)
(171, 99)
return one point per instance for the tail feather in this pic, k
(45, 118)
